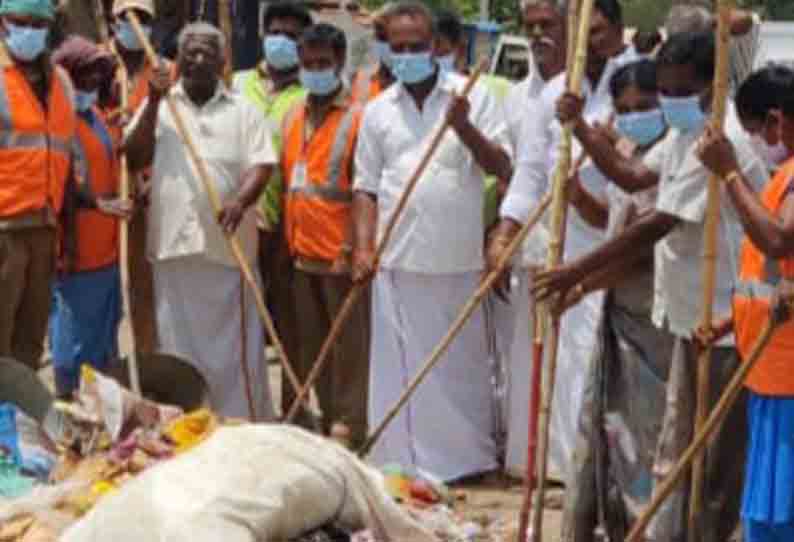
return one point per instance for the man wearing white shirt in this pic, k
(204, 313)
(544, 21)
(536, 161)
(676, 228)
(433, 262)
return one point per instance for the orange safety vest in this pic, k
(35, 145)
(317, 207)
(366, 86)
(97, 233)
(758, 277)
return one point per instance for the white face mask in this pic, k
(773, 155)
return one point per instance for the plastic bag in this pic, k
(24, 441)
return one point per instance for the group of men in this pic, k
(310, 166)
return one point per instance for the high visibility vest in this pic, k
(97, 233)
(35, 145)
(318, 203)
(758, 277)
(366, 86)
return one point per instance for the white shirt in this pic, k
(683, 187)
(231, 138)
(441, 228)
(516, 104)
(538, 155)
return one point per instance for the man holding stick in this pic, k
(432, 265)
(685, 77)
(203, 312)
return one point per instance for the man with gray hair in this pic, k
(204, 313)
(745, 35)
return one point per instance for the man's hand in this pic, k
(555, 283)
(231, 215)
(160, 82)
(716, 152)
(363, 265)
(116, 207)
(782, 305)
(341, 264)
(569, 108)
(705, 337)
(497, 245)
(458, 113)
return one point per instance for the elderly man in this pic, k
(39, 134)
(431, 266)
(535, 164)
(204, 312)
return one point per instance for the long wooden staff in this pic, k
(359, 288)
(215, 201)
(225, 18)
(534, 413)
(575, 68)
(705, 434)
(463, 317)
(709, 266)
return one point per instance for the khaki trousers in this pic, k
(141, 288)
(27, 268)
(343, 385)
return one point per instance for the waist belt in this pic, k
(43, 218)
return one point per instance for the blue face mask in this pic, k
(382, 51)
(126, 36)
(412, 68)
(281, 52)
(643, 128)
(26, 43)
(683, 114)
(85, 100)
(319, 82)
(446, 63)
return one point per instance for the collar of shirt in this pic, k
(222, 93)
(340, 101)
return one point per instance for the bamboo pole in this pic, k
(709, 266)
(215, 201)
(225, 18)
(359, 288)
(704, 435)
(463, 316)
(534, 413)
(575, 68)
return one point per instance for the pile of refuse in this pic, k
(114, 466)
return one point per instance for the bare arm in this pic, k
(253, 183)
(594, 211)
(365, 223)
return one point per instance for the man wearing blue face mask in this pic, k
(317, 161)
(274, 87)
(676, 228)
(36, 158)
(434, 259)
(370, 81)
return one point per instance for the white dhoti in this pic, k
(447, 428)
(200, 319)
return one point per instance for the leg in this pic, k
(13, 264)
(34, 310)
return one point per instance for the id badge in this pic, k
(299, 174)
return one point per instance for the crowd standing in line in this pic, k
(310, 166)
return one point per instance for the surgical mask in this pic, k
(382, 51)
(446, 63)
(127, 37)
(85, 100)
(26, 43)
(774, 155)
(412, 68)
(281, 52)
(683, 114)
(319, 82)
(643, 127)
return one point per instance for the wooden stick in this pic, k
(225, 17)
(463, 316)
(359, 288)
(704, 435)
(709, 267)
(124, 243)
(575, 69)
(217, 205)
(534, 417)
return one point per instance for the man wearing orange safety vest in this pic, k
(37, 139)
(319, 137)
(370, 81)
(766, 277)
(87, 295)
(139, 70)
